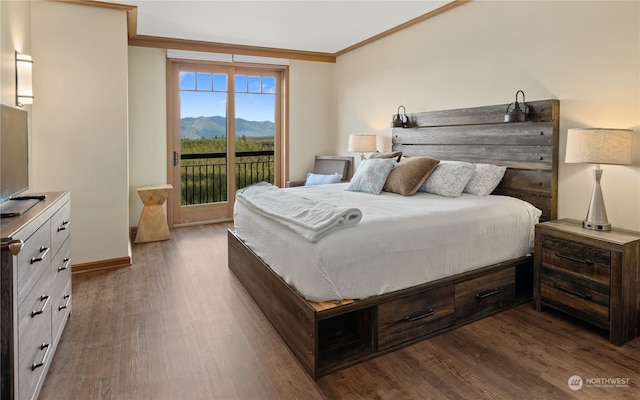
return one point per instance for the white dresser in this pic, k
(35, 293)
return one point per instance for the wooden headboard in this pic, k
(529, 149)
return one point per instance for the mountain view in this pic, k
(212, 127)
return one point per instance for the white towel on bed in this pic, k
(309, 218)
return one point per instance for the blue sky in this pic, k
(254, 100)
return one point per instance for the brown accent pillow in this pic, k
(387, 155)
(410, 173)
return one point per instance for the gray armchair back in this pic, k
(329, 165)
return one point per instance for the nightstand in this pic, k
(590, 275)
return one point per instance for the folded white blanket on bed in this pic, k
(309, 218)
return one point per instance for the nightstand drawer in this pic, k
(415, 316)
(591, 262)
(583, 298)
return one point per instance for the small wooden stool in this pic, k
(153, 223)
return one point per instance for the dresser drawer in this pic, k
(34, 343)
(415, 316)
(33, 260)
(60, 226)
(485, 294)
(590, 262)
(60, 308)
(61, 263)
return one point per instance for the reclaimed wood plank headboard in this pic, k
(528, 149)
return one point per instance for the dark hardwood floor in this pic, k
(178, 325)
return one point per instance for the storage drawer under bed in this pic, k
(412, 317)
(484, 295)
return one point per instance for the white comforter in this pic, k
(401, 241)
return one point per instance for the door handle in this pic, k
(175, 158)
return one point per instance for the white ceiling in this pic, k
(318, 26)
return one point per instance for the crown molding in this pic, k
(226, 48)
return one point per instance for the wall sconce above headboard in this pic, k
(400, 120)
(514, 112)
(24, 85)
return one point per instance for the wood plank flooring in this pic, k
(178, 325)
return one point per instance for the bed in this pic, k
(331, 322)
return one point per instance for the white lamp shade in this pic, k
(599, 146)
(24, 86)
(362, 143)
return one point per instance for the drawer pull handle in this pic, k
(564, 289)
(574, 258)
(64, 226)
(40, 311)
(411, 318)
(487, 293)
(43, 253)
(66, 264)
(66, 304)
(43, 346)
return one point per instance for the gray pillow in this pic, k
(371, 175)
(449, 178)
(485, 179)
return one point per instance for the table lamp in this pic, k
(598, 146)
(362, 143)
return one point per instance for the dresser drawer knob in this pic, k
(43, 253)
(40, 311)
(46, 347)
(574, 258)
(64, 226)
(573, 292)
(487, 293)
(411, 318)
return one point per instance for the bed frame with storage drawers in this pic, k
(326, 337)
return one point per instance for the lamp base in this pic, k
(596, 226)
(597, 214)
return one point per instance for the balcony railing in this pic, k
(204, 175)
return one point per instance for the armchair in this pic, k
(329, 165)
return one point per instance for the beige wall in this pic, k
(311, 115)
(147, 123)
(15, 35)
(80, 121)
(586, 54)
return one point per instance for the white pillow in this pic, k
(449, 178)
(319, 179)
(371, 175)
(485, 179)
